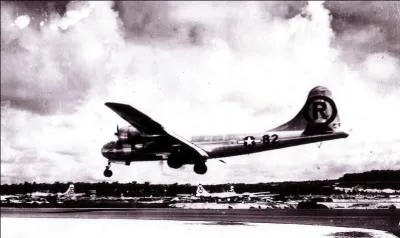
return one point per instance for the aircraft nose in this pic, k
(105, 150)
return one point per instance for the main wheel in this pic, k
(174, 163)
(200, 168)
(107, 173)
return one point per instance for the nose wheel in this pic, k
(107, 172)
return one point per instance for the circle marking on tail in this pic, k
(320, 110)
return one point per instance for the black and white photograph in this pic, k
(200, 119)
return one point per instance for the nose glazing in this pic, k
(105, 150)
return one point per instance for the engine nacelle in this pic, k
(127, 133)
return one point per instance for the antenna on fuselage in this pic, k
(117, 133)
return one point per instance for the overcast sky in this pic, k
(197, 68)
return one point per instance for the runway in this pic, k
(386, 220)
(106, 228)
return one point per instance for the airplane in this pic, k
(69, 194)
(203, 193)
(147, 140)
(150, 199)
(185, 198)
(11, 198)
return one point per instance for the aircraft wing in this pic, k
(261, 194)
(136, 118)
(146, 125)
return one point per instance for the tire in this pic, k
(174, 163)
(200, 168)
(107, 173)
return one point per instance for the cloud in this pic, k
(366, 27)
(197, 68)
(52, 69)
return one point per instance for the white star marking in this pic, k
(249, 140)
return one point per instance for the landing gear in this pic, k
(174, 163)
(107, 172)
(200, 168)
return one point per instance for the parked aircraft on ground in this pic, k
(147, 140)
(10, 198)
(69, 194)
(203, 193)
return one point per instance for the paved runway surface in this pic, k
(387, 220)
(12, 227)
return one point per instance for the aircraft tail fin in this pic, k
(70, 191)
(319, 114)
(201, 192)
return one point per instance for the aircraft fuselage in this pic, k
(218, 146)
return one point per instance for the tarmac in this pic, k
(379, 219)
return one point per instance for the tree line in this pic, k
(372, 179)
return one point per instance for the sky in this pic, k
(198, 68)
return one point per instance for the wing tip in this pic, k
(110, 104)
